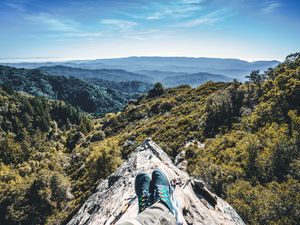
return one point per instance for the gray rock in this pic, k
(114, 199)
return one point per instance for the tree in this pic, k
(157, 90)
(8, 87)
(256, 78)
(60, 187)
(293, 60)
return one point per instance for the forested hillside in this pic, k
(124, 87)
(241, 138)
(104, 74)
(95, 96)
(110, 76)
(34, 134)
(194, 80)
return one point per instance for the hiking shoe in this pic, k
(142, 185)
(161, 190)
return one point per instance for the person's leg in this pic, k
(157, 214)
(164, 209)
(162, 191)
(131, 222)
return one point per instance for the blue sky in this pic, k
(85, 29)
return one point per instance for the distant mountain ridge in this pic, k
(194, 80)
(104, 74)
(234, 68)
(168, 79)
(160, 75)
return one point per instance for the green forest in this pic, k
(242, 139)
(91, 95)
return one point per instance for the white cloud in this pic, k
(17, 5)
(199, 21)
(86, 34)
(208, 19)
(191, 1)
(158, 15)
(60, 28)
(121, 25)
(147, 35)
(50, 22)
(182, 11)
(270, 6)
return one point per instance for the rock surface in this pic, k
(114, 199)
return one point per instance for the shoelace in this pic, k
(162, 193)
(143, 201)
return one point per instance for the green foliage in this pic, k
(256, 78)
(105, 158)
(8, 87)
(245, 138)
(222, 109)
(275, 203)
(43, 147)
(157, 90)
(38, 198)
(255, 165)
(242, 139)
(91, 95)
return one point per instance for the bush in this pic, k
(157, 90)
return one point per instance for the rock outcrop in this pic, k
(114, 199)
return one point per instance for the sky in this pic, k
(54, 30)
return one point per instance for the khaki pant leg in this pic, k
(157, 214)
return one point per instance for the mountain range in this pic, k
(234, 68)
(241, 140)
(168, 79)
(194, 80)
(104, 74)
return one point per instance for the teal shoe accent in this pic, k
(161, 190)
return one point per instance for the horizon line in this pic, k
(61, 59)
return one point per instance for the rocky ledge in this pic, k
(114, 199)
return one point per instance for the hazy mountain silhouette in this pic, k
(235, 68)
(104, 74)
(194, 80)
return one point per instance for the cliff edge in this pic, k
(114, 199)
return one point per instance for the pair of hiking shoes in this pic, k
(158, 188)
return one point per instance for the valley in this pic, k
(242, 139)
